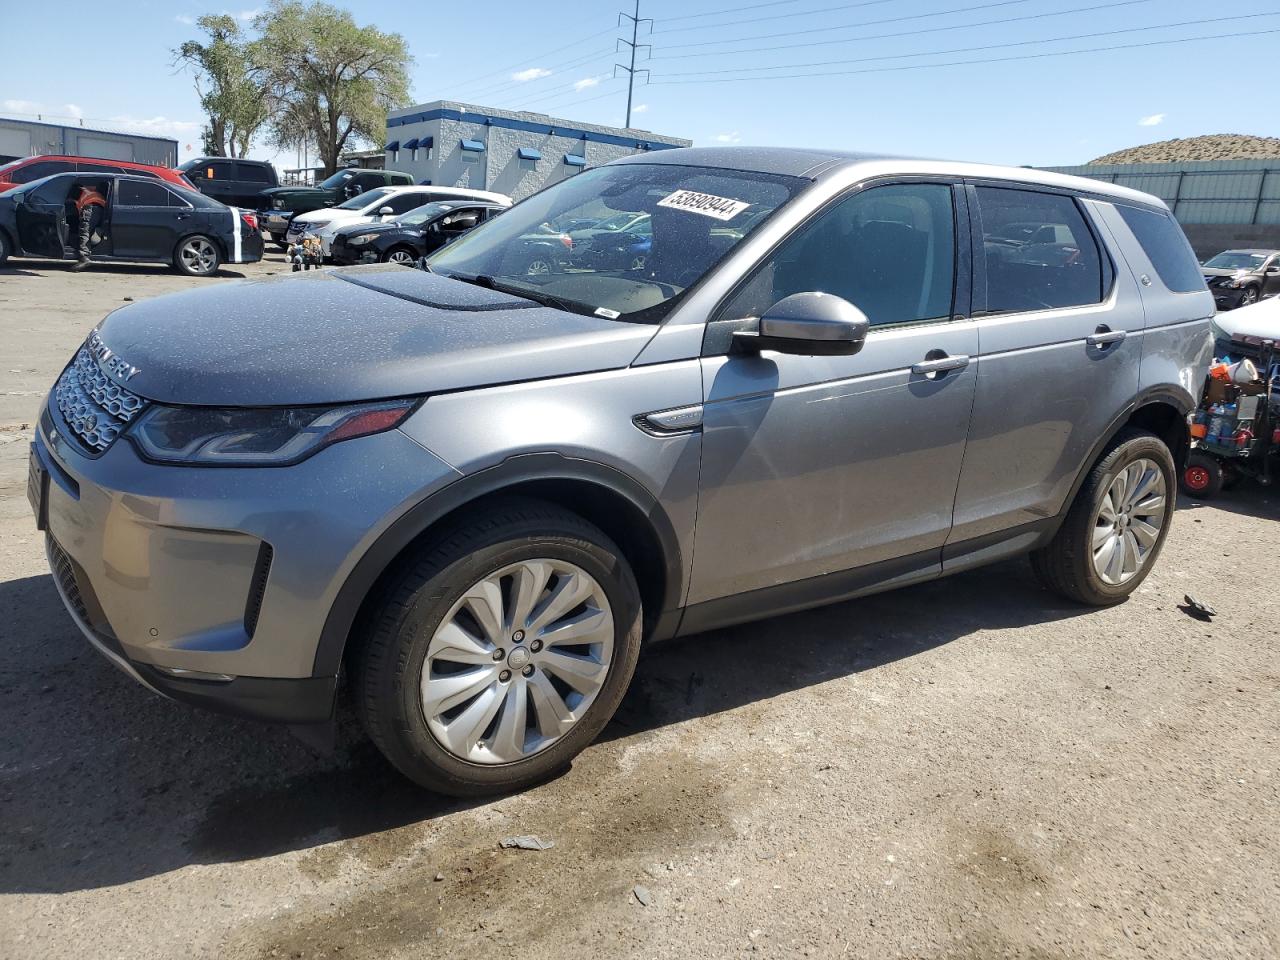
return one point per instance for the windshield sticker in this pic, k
(706, 204)
(607, 313)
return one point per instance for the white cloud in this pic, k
(1152, 121)
(157, 126)
(533, 73)
(247, 15)
(640, 108)
(22, 106)
(587, 83)
(185, 19)
(72, 110)
(728, 137)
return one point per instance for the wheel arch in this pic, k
(621, 506)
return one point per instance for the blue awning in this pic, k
(473, 146)
(573, 160)
(392, 147)
(528, 153)
(411, 144)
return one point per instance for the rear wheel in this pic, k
(401, 255)
(197, 256)
(1116, 526)
(1202, 477)
(501, 652)
(279, 240)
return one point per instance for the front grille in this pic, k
(94, 406)
(79, 593)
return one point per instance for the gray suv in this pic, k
(471, 493)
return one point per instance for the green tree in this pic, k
(330, 81)
(226, 81)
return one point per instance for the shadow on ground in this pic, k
(103, 783)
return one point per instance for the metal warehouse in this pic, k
(32, 138)
(1220, 203)
(464, 145)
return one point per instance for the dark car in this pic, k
(279, 204)
(411, 235)
(145, 220)
(237, 183)
(612, 250)
(1238, 278)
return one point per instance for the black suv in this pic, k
(1238, 278)
(237, 183)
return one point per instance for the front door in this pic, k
(44, 218)
(1271, 277)
(841, 465)
(146, 220)
(1060, 328)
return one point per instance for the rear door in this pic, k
(1060, 330)
(147, 219)
(251, 180)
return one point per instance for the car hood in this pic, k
(295, 192)
(1222, 272)
(1260, 320)
(385, 226)
(332, 214)
(362, 333)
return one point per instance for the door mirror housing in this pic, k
(1273, 271)
(808, 324)
(386, 212)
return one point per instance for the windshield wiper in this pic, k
(537, 296)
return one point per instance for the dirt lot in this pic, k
(969, 768)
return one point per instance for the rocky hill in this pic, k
(1217, 146)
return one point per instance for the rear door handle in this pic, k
(940, 365)
(1104, 336)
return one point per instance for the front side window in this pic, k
(1167, 248)
(890, 251)
(338, 180)
(136, 193)
(697, 215)
(1040, 253)
(219, 170)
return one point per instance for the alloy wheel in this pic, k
(402, 257)
(517, 662)
(198, 255)
(1249, 297)
(537, 268)
(1126, 527)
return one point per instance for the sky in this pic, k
(955, 79)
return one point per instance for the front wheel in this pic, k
(498, 655)
(1116, 525)
(401, 255)
(197, 256)
(1249, 297)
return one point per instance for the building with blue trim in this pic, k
(465, 145)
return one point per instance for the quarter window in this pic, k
(1040, 253)
(1166, 247)
(889, 250)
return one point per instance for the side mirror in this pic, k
(808, 324)
(1273, 271)
(386, 212)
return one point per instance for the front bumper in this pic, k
(275, 222)
(345, 254)
(1227, 298)
(162, 568)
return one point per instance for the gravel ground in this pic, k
(969, 768)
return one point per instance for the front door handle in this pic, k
(184, 216)
(1104, 336)
(936, 365)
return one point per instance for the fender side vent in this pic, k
(257, 589)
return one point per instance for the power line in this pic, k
(560, 68)
(739, 9)
(784, 16)
(983, 61)
(992, 46)
(900, 33)
(527, 61)
(847, 26)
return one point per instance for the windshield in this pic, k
(338, 179)
(362, 200)
(690, 218)
(424, 213)
(1236, 260)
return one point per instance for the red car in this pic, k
(33, 168)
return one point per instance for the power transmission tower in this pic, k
(634, 45)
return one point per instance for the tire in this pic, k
(1202, 477)
(279, 240)
(197, 256)
(401, 255)
(539, 267)
(4, 248)
(1248, 297)
(462, 744)
(1069, 566)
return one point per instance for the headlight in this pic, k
(362, 238)
(316, 225)
(233, 436)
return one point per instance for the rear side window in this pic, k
(45, 168)
(134, 193)
(252, 173)
(1039, 252)
(1166, 247)
(890, 251)
(404, 202)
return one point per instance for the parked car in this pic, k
(374, 206)
(281, 204)
(406, 238)
(615, 250)
(473, 494)
(626, 222)
(237, 183)
(145, 221)
(1240, 278)
(28, 169)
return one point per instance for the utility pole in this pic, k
(633, 44)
